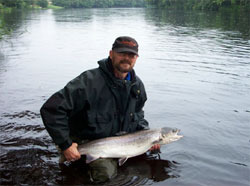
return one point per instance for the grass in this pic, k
(54, 7)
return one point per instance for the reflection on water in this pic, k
(223, 20)
(145, 170)
(140, 170)
(196, 69)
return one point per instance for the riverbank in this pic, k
(4, 9)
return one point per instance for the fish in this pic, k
(127, 145)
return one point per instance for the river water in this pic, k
(196, 70)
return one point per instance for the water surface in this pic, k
(196, 70)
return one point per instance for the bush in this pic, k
(43, 3)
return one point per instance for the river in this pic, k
(196, 70)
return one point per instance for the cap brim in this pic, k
(121, 50)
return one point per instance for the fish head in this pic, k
(168, 135)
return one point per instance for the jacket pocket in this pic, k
(99, 124)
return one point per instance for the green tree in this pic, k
(199, 4)
(42, 3)
(17, 3)
(98, 3)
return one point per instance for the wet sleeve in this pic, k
(58, 108)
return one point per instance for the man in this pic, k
(99, 103)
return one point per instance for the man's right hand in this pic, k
(71, 153)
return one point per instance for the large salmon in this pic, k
(128, 145)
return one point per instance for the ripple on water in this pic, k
(20, 130)
(27, 166)
(145, 169)
(23, 114)
(185, 162)
(28, 155)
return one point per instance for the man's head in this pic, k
(124, 54)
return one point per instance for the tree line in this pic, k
(176, 4)
(73, 3)
(199, 4)
(24, 3)
(98, 3)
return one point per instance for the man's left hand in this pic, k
(156, 147)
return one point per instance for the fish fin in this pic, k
(89, 158)
(122, 161)
(121, 133)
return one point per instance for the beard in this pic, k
(119, 66)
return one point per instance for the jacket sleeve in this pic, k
(142, 122)
(57, 109)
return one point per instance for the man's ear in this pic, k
(110, 54)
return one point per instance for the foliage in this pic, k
(4, 30)
(98, 3)
(199, 4)
(177, 4)
(24, 3)
(42, 3)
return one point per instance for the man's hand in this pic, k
(71, 153)
(156, 147)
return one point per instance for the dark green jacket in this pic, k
(95, 105)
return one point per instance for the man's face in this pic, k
(123, 62)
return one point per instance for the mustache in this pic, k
(125, 61)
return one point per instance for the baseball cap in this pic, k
(125, 44)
